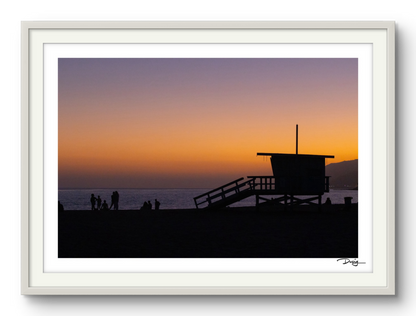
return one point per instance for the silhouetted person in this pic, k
(149, 205)
(157, 204)
(92, 200)
(116, 198)
(98, 203)
(145, 206)
(113, 197)
(328, 201)
(105, 206)
(60, 207)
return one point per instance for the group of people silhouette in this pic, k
(148, 205)
(104, 205)
(98, 204)
(114, 202)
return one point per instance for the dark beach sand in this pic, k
(303, 232)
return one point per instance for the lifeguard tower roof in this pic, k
(298, 155)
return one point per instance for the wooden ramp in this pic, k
(241, 188)
(222, 196)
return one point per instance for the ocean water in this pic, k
(133, 199)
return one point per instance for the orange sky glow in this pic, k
(198, 123)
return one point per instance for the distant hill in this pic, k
(343, 174)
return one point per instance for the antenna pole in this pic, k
(296, 139)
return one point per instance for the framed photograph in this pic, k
(208, 158)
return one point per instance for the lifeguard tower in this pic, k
(297, 179)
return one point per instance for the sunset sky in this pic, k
(198, 123)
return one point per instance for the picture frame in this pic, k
(380, 280)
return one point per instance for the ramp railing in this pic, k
(221, 193)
